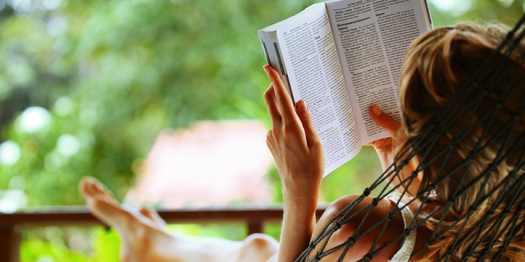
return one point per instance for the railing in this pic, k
(11, 224)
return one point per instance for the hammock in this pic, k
(491, 72)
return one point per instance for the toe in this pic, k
(88, 186)
(152, 215)
(145, 211)
(101, 190)
(92, 189)
(83, 186)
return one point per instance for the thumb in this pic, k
(308, 125)
(383, 120)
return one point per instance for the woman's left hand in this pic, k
(298, 152)
(294, 144)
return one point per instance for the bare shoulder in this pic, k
(364, 226)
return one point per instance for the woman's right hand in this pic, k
(384, 147)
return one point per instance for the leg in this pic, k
(257, 248)
(143, 237)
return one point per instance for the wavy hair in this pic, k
(438, 64)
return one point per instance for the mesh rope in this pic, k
(495, 228)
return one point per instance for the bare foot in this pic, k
(103, 205)
(133, 226)
(153, 215)
(142, 235)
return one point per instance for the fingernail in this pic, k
(266, 70)
(302, 107)
(376, 110)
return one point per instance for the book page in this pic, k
(372, 37)
(315, 75)
(270, 42)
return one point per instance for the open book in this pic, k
(341, 57)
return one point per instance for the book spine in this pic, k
(270, 44)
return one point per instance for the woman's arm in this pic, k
(298, 153)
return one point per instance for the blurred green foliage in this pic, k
(231, 231)
(67, 244)
(48, 245)
(112, 74)
(128, 69)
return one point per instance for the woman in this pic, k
(437, 65)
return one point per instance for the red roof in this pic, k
(210, 164)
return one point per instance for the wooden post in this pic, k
(255, 226)
(9, 244)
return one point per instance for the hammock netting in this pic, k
(507, 198)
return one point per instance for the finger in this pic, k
(312, 137)
(284, 101)
(271, 105)
(383, 120)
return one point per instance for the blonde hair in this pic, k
(437, 65)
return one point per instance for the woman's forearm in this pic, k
(298, 225)
(297, 230)
(299, 156)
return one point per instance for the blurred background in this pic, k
(160, 100)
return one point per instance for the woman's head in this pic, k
(437, 65)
